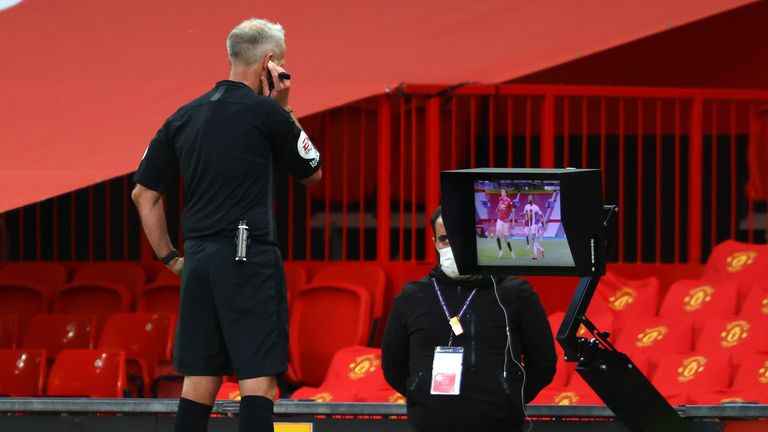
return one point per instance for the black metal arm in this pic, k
(610, 373)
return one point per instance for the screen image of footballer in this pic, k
(518, 222)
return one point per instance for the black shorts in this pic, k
(233, 316)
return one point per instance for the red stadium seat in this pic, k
(755, 305)
(56, 332)
(24, 298)
(126, 274)
(295, 278)
(26, 288)
(146, 338)
(369, 276)
(47, 275)
(100, 298)
(9, 330)
(318, 329)
(742, 263)
(750, 384)
(354, 375)
(734, 336)
(101, 288)
(699, 300)
(162, 297)
(88, 373)
(577, 392)
(680, 376)
(22, 372)
(652, 337)
(625, 298)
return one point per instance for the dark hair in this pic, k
(435, 216)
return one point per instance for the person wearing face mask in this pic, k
(467, 351)
(233, 316)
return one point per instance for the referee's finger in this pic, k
(274, 70)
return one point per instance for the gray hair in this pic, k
(252, 39)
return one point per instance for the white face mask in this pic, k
(449, 265)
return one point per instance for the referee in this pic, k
(233, 313)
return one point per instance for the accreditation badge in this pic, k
(446, 370)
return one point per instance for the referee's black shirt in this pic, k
(224, 144)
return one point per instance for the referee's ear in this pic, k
(265, 61)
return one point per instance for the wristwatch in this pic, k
(172, 255)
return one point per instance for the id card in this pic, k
(446, 370)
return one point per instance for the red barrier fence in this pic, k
(676, 161)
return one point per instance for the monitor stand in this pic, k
(611, 374)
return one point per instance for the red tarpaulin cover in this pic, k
(84, 85)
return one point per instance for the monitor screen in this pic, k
(524, 221)
(519, 221)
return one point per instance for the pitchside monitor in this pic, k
(525, 221)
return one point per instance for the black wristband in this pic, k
(170, 257)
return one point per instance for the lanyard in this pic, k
(453, 321)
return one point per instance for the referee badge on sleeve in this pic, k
(307, 150)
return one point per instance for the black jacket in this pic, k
(488, 401)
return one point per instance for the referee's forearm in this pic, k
(152, 215)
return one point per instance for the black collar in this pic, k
(445, 280)
(232, 83)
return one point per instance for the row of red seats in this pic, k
(145, 339)
(716, 324)
(681, 377)
(354, 375)
(621, 300)
(733, 282)
(30, 288)
(75, 372)
(680, 325)
(104, 288)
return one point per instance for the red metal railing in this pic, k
(674, 160)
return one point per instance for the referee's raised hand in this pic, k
(282, 87)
